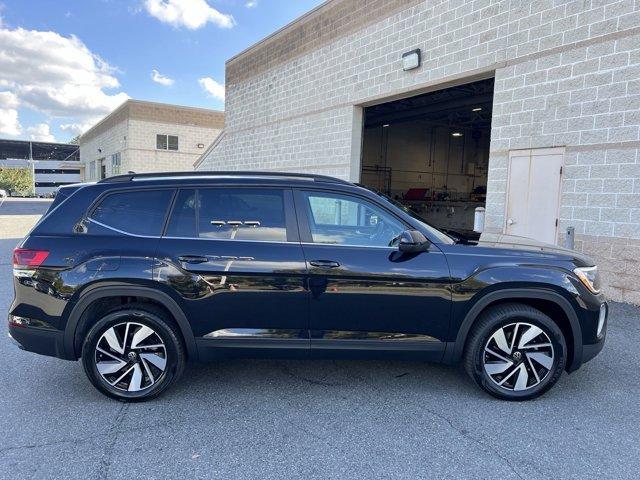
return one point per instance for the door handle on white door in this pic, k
(511, 221)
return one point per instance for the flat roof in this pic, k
(25, 149)
(158, 112)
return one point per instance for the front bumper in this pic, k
(589, 351)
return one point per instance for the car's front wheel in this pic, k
(515, 352)
(133, 353)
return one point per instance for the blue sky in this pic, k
(66, 63)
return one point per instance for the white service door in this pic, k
(533, 194)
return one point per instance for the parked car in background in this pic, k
(137, 274)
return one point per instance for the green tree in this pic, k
(16, 180)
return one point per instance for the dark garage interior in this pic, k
(430, 152)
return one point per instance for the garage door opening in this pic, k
(431, 152)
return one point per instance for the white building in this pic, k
(527, 107)
(148, 137)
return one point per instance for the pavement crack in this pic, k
(30, 446)
(287, 371)
(78, 441)
(114, 431)
(483, 445)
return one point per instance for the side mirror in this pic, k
(411, 241)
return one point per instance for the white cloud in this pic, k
(9, 124)
(78, 128)
(8, 100)
(213, 88)
(56, 75)
(251, 4)
(192, 14)
(157, 77)
(41, 133)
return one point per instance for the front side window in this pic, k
(115, 163)
(347, 220)
(229, 214)
(167, 142)
(138, 212)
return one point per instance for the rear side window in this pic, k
(140, 212)
(229, 214)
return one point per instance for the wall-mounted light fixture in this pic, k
(456, 134)
(385, 125)
(201, 145)
(411, 60)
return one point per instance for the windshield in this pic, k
(441, 236)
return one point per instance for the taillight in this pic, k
(28, 258)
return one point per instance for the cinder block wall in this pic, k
(104, 145)
(567, 74)
(131, 130)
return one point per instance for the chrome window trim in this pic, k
(239, 241)
(377, 247)
(277, 242)
(91, 220)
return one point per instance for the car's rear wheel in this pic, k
(133, 353)
(515, 352)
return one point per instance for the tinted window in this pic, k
(183, 218)
(229, 214)
(166, 142)
(141, 212)
(346, 220)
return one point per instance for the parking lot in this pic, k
(314, 419)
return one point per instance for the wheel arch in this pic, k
(155, 296)
(569, 324)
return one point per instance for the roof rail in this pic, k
(128, 177)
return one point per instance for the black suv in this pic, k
(137, 274)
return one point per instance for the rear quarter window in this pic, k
(138, 212)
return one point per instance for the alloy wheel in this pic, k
(518, 356)
(131, 356)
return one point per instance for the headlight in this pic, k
(590, 277)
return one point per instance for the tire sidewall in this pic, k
(559, 348)
(174, 354)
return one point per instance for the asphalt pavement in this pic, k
(317, 419)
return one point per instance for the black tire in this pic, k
(152, 317)
(506, 315)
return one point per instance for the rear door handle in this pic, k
(193, 259)
(324, 263)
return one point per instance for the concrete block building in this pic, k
(148, 137)
(530, 108)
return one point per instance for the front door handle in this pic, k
(193, 259)
(324, 263)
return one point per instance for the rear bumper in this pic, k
(38, 340)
